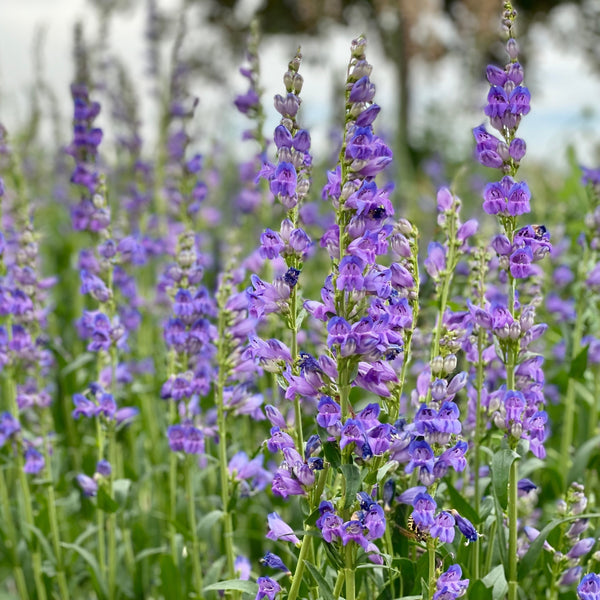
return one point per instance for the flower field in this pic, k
(267, 377)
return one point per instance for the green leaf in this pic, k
(105, 502)
(535, 548)
(150, 552)
(80, 361)
(383, 471)
(461, 505)
(500, 539)
(582, 458)
(332, 454)
(501, 463)
(239, 585)
(478, 591)
(43, 541)
(351, 475)
(496, 580)
(90, 559)
(170, 577)
(325, 590)
(208, 520)
(579, 365)
(121, 489)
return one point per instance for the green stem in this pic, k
(223, 467)
(570, 404)
(297, 578)
(27, 505)
(339, 582)
(349, 573)
(36, 557)
(431, 566)
(11, 541)
(477, 442)
(53, 516)
(294, 355)
(189, 490)
(173, 491)
(306, 541)
(513, 585)
(593, 417)
(111, 521)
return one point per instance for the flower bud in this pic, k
(450, 363)
(437, 364)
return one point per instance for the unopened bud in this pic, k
(450, 363)
(515, 330)
(437, 364)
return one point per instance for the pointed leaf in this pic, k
(239, 585)
(461, 505)
(579, 365)
(332, 454)
(501, 463)
(351, 475)
(170, 577)
(527, 562)
(90, 559)
(496, 580)
(325, 591)
(582, 458)
(105, 502)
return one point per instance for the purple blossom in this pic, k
(443, 527)
(589, 587)
(280, 530)
(267, 588)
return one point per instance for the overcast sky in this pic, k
(563, 87)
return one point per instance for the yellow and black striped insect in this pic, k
(412, 531)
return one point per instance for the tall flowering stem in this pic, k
(25, 366)
(512, 323)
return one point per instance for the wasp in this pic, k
(413, 531)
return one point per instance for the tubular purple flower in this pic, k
(581, 547)
(435, 262)
(88, 485)
(518, 198)
(520, 263)
(443, 527)
(589, 587)
(280, 530)
(34, 461)
(362, 91)
(466, 230)
(494, 201)
(267, 588)
(465, 527)
(424, 509)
